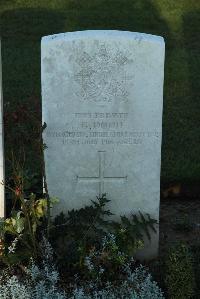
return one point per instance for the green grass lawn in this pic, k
(24, 22)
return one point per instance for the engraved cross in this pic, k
(101, 178)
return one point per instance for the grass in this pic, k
(24, 22)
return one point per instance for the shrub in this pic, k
(41, 282)
(180, 278)
(74, 235)
(138, 284)
(131, 281)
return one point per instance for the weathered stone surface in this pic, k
(2, 196)
(102, 94)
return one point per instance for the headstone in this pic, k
(2, 196)
(102, 94)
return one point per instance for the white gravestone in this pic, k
(2, 195)
(102, 95)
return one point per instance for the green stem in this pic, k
(45, 186)
(26, 213)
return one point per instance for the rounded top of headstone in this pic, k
(104, 34)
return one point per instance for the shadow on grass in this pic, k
(21, 31)
(181, 144)
(191, 30)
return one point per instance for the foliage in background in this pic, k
(180, 276)
(74, 235)
(22, 129)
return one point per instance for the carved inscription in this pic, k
(101, 129)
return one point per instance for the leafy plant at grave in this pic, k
(129, 231)
(20, 231)
(74, 235)
(29, 214)
(180, 277)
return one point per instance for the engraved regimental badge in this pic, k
(101, 75)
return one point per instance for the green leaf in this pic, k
(19, 226)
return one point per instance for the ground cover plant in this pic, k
(42, 281)
(180, 276)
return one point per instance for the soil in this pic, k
(179, 221)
